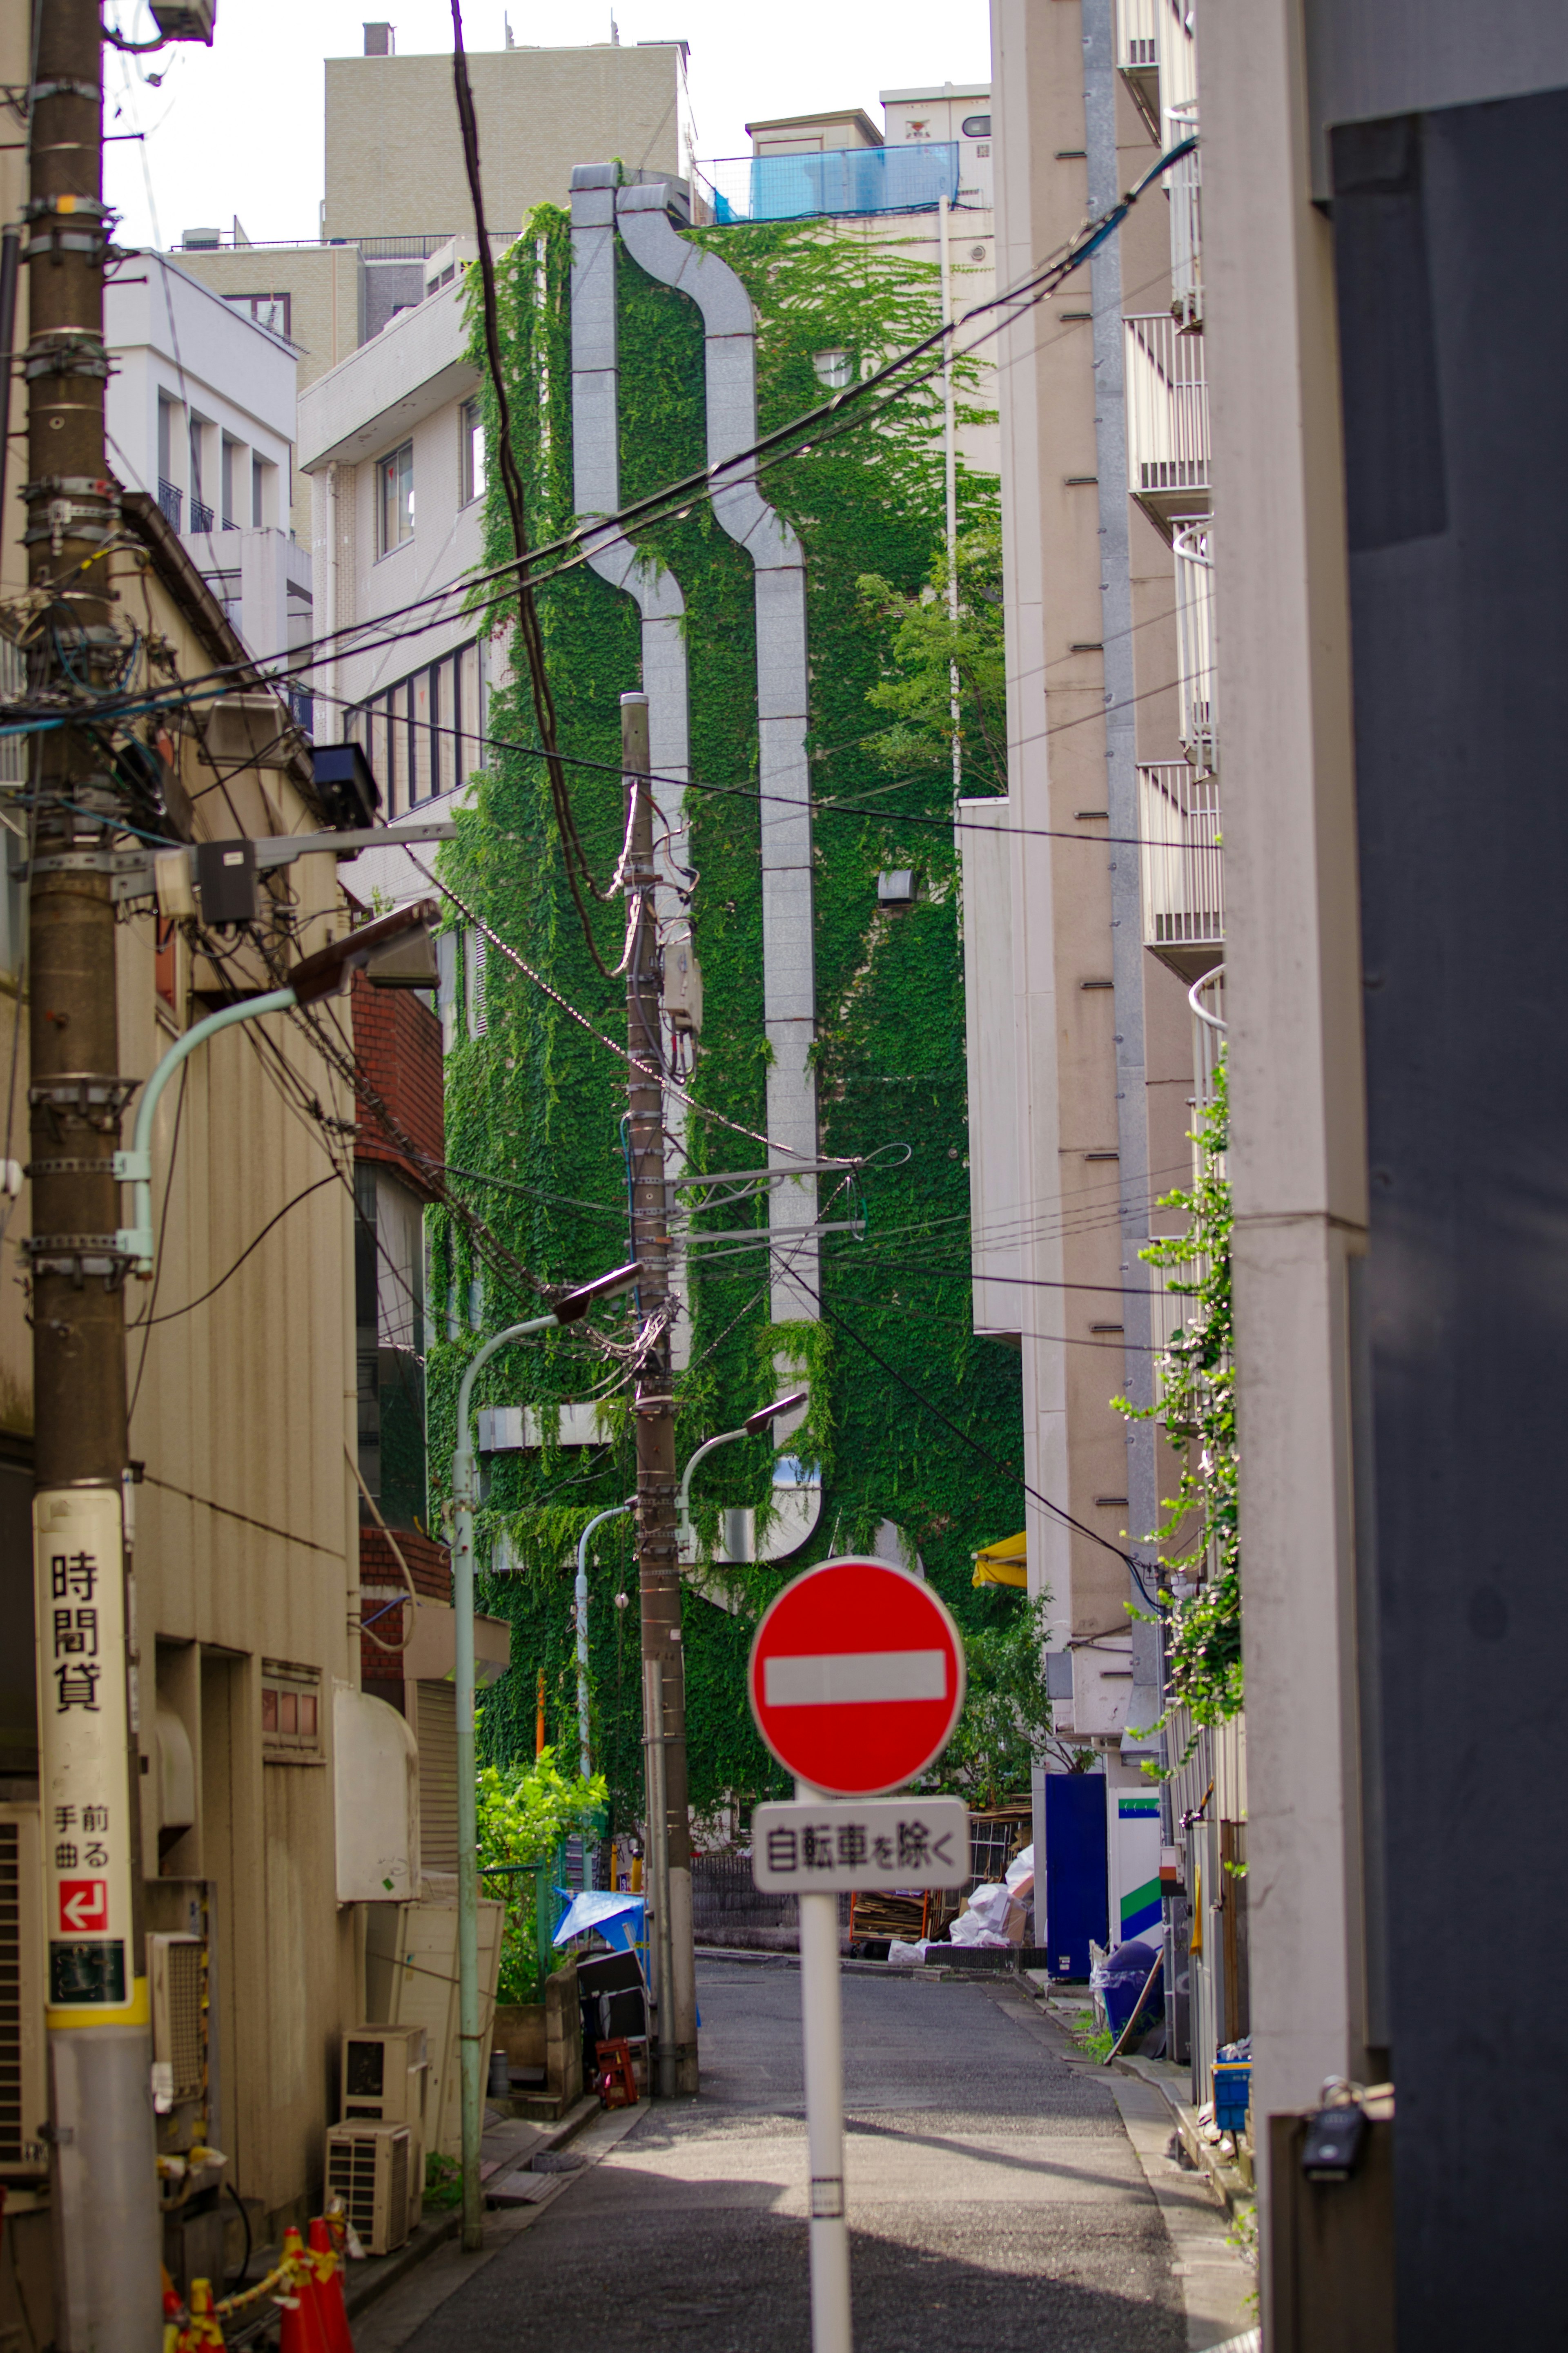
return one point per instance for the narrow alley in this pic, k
(1003, 2192)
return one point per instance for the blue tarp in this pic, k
(617, 1918)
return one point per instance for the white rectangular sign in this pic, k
(831, 1843)
(83, 1763)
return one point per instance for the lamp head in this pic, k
(761, 1420)
(576, 1303)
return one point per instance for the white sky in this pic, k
(238, 129)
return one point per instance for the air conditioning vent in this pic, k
(176, 1968)
(24, 2094)
(367, 2167)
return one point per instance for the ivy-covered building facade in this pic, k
(817, 1111)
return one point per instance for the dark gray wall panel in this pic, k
(1374, 57)
(1452, 238)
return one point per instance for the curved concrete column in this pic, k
(789, 964)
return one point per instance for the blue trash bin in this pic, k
(1121, 1979)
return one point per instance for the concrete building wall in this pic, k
(324, 284)
(1298, 1161)
(1066, 1083)
(394, 161)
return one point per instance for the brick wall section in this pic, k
(381, 1582)
(429, 1563)
(398, 1041)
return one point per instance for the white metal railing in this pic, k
(1182, 870)
(1138, 34)
(1192, 549)
(1183, 185)
(1156, 36)
(1167, 408)
(1178, 55)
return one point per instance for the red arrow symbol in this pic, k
(84, 1904)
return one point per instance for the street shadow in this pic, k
(726, 2277)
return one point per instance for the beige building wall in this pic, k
(1075, 1449)
(325, 286)
(395, 159)
(246, 1539)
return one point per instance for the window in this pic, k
(267, 310)
(471, 451)
(423, 735)
(395, 496)
(291, 1713)
(476, 947)
(835, 369)
(976, 126)
(231, 473)
(263, 492)
(201, 512)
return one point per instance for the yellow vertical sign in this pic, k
(84, 1785)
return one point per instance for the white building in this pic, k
(201, 417)
(392, 442)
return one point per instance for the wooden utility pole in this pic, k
(104, 2183)
(658, 1553)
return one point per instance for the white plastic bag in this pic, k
(1022, 1867)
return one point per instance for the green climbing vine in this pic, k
(1199, 1537)
(535, 1105)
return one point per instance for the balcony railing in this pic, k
(1167, 418)
(1185, 187)
(201, 516)
(1183, 865)
(848, 180)
(1193, 551)
(171, 498)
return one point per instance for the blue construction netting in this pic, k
(909, 179)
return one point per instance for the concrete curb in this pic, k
(1228, 2182)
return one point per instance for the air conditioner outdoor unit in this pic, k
(385, 2080)
(384, 2075)
(367, 2167)
(24, 2082)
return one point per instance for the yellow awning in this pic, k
(1002, 1564)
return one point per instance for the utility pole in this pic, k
(659, 1550)
(103, 2173)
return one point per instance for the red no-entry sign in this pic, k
(856, 1677)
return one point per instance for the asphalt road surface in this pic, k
(995, 2198)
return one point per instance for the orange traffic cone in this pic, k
(303, 2329)
(330, 2288)
(204, 2328)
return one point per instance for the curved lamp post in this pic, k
(585, 1760)
(570, 1310)
(748, 1429)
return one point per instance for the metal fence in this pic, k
(1193, 550)
(848, 180)
(1183, 869)
(1184, 186)
(1167, 408)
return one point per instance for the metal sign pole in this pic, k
(822, 2036)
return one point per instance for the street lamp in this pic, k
(328, 972)
(568, 1310)
(749, 1428)
(585, 1759)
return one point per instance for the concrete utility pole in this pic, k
(104, 2178)
(658, 1551)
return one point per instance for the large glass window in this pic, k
(423, 735)
(395, 495)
